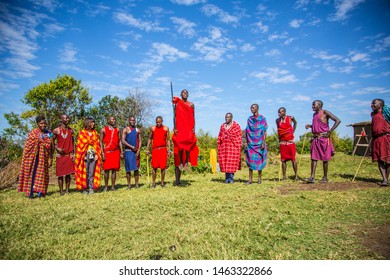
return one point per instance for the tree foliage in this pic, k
(65, 95)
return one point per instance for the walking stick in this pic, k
(147, 167)
(303, 146)
(365, 153)
(173, 108)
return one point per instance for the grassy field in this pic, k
(204, 219)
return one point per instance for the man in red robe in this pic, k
(184, 138)
(64, 146)
(160, 149)
(286, 127)
(229, 147)
(381, 138)
(112, 151)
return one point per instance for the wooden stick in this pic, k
(365, 153)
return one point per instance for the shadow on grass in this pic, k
(361, 179)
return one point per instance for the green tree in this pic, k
(65, 95)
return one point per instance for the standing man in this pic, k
(255, 145)
(161, 148)
(229, 147)
(381, 138)
(321, 145)
(131, 139)
(286, 127)
(112, 151)
(88, 158)
(64, 145)
(36, 160)
(184, 138)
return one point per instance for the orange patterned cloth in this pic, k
(85, 139)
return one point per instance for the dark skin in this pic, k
(317, 107)
(255, 112)
(183, 162)
(384, 168)
(159, 123)
(282, 118)
(111, 123)
(134, 149)
(63, 126)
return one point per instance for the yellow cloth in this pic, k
(213, 160)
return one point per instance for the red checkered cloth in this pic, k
(36, 152)
(229, 147)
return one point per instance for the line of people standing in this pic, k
(107, 149)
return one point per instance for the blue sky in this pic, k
(228, 54)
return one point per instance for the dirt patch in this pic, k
(377, 240)
(330, 186)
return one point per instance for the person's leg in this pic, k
(67, 183)
(181, 165)
(106, 176)
(259, 180)
(61, 184)
(177, 176)
(284, 167)
(136, 177)
(91, 172)
(295, 167)
(313, 167)
(154, 175)
(128, 177)
(113, 180)
(226, 177)
(384, 171)
(250, 177)
(163, 177)
(325, 166)
(187, 159)
(231, 177)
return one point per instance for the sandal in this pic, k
(310, 181)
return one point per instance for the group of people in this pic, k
(106, 150)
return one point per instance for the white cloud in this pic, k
(300, 97)
(184, 27)
(128, 19)
(68, 53)
(372, 90)
(163, 51)
(337, 85)
(325, 56)
(296, 23)
(213, 47)
(212, 10)
(273, 53)
(260, 27)
(275, 76)
(343, 7)
(247, 47)
(123, 45)
(303, 64)
(358, 57)
(50, 5)
(187, 2)
(276, 36)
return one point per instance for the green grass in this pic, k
(204, 219)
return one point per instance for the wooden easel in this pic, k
(363, 134)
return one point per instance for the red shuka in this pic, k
(185, 138)
(286, 137)
(111, 150)
(159, 147)
(229, 147)
(64, 162)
